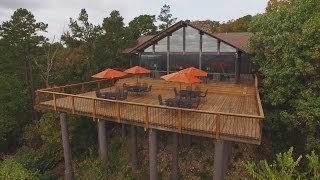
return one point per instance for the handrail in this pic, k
(75, 84)
(260, 110)
(155, 106)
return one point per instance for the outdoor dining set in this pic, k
(187, 98)
(184, 98)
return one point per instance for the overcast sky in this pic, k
(56, 13)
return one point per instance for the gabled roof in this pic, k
(237, 40)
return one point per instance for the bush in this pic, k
(10, 169)
(285, 167)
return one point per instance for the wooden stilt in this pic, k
(102, 140)
(175, 156)
(134, 150)
(66, 147)
(153, 154)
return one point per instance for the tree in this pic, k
(285, 167)
(274, 5)
(143, 25)
(114, 38)
(166, 17)
(20, 45)
(45, 63)
(238, 25)
(82, 31)
(286, 47)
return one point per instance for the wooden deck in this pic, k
(230, 111)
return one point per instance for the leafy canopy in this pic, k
(286, 47)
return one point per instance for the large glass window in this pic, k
(154, 62)
(192, 40)
(246, 65)
(179, 62)
(149, 49)
(209, 44)
(226, 48)
(161, 46)
(176, 41)
(223, 64)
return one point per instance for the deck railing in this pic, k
(67, 99)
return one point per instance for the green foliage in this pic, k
(287, 50)
(274, 5)
(20, 44)
(82, 31)
(166, 17)
(238, 25)
(10, 169)
(285, 167)
(142, 25)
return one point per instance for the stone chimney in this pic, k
(204, 25)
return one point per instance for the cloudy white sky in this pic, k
(56, 13)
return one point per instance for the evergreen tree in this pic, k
(166, 17)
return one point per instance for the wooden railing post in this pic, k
(118, 112)
(54, 102)
(179, 121)
(82, 88)
(94, 109)
(99, 85)
(218, 118)
(62, 89)
(73, 107)
(146, 117)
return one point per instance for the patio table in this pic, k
(137, 89)
(189, 93)
(176, 102)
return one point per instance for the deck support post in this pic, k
(189, 141)
(134, 155)
(175, 156)
(66, 146)
(102, 140)
(153, 154)
(222, 153)
(123, 130)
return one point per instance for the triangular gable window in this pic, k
(161, 46)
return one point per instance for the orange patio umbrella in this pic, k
(109, 74)
(137, 70)
(181, 78)
(194, 71)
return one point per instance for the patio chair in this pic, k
(176, 92)
(99, 94)
(122, 96)
(148, 89)
(145, 85)
(189, 88)
(197, 88)
(204, 95)
(195, 103)
(160, 100)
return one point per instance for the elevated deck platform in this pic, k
(230, 111)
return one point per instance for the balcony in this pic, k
(230, 111)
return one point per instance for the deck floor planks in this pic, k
(244, 127)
